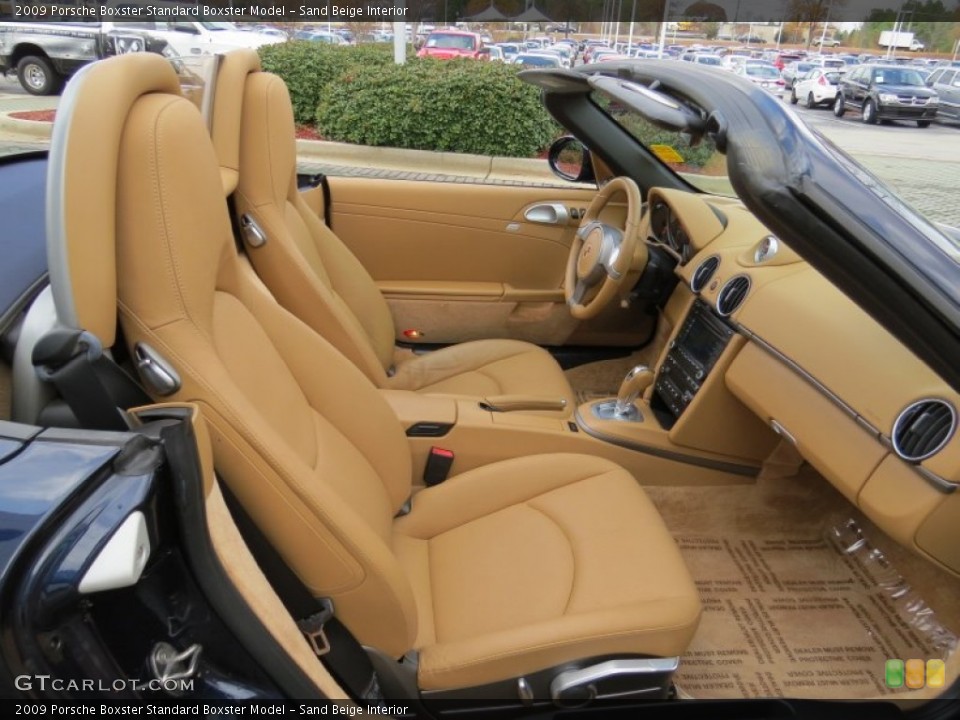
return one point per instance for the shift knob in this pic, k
(636, 381)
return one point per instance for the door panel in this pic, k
(461, 261)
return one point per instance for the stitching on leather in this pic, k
(172, 267)
(573, 555)
(518, 502)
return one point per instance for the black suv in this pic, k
(887, 92)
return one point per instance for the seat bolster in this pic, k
(313, 361)
(663, 628)
(493, 487)
(485, 367)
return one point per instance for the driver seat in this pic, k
(313, 274)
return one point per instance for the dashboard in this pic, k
(862, 409)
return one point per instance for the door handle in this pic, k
(547, 214)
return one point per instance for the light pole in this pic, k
(633, 11)
(826, 21)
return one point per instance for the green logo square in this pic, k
(894, 673)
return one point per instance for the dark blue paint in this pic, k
(35, 484)
(23, 232)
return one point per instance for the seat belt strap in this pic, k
(95, 388)
(318, 180)
(330, 639)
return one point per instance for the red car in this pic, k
(450, 44)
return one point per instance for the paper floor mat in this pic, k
(795, 617)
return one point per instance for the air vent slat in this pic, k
(733, 294)
(704, 273)
(923, 428)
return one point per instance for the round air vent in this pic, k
(704, 272)
(923, 428)
(732, 294)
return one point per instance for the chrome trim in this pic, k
(572, 679)
(782, 431)
(721, 465)
(773, 247)
(931, 477)
(58, 261)
(252, 232)
(723, 289)
(607, 410)
(524, 691)
(693, 277)
(938, 448)
(547, 214)
(155, 371)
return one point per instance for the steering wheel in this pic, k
(601, 254)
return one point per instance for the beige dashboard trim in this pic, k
(732, 468)
(932, 478)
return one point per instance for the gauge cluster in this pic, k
(667, 231)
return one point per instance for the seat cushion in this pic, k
(529, 563)
(483, 368)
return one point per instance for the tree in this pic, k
(812, 12)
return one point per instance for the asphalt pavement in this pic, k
(921, 164)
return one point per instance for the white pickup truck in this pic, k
(45, 54)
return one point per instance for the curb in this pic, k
(32, 128)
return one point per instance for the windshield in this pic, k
(454, 42)
(537, 61)
(762, 71)
(708, 60)
(897, 76)
(218, 26)
(702, 165)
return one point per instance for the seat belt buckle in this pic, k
(439, 462)
(312, 627)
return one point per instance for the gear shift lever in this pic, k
(633, 385)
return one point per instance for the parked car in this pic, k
(795, 70)
(945, 82)
(449, 44)
(191, 465)
(510, 50)
(766, 76)
(320, 36)
(886, 92)
(817, 87)
(537, 60)
(708, 59)
(45, 55)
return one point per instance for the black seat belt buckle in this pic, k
(312, 627)
(439, 462)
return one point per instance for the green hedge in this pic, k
(308, 67)
(465, 106)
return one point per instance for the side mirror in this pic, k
(570, 160)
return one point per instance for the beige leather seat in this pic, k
(315, 276)
(509, 569)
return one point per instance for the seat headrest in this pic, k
(231, 80)
(82, 185)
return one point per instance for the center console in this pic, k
(690, 358)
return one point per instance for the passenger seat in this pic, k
(535, 576)
(315, 276)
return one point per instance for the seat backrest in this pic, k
(305, 265)
(300, 436)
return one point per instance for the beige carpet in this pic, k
(786, 611)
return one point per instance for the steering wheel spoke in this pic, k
(602, 252)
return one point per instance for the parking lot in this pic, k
(923, 165)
